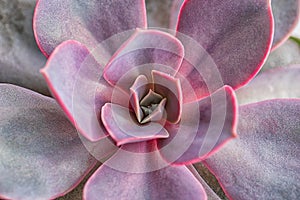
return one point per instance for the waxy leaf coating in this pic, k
(41, 155)
(171, 183)
(264, 158)
(237, 34)
(89, 22)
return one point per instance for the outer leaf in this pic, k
(237, 34)
(170, 183)
(144, 51)
(204, 127)
(41, 155)
(73, 77)
(271, 84)
(20, 59)
(89, 22)
(288, 53)
(264, 159)
(76, 193)
(286, 16)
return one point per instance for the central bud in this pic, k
(147, 104)
(156, 100)
(152, 106)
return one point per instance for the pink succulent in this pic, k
(154, 102)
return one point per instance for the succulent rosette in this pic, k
(150, 102)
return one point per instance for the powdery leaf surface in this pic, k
(41, 155)
(263, 162)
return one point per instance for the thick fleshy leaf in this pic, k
(138, 157)
(204, 127)
(123, 128)
(41, 155)
(20, 59)
(237, 35)
(89, 22)
(76, 193)
(74, 78)
(288, 53)
(198, 81)
(271, 84)
(264, 158)
(170, 88)
(144, 51)
(286, 16)
(166, 183)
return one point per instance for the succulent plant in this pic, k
(149, 102)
